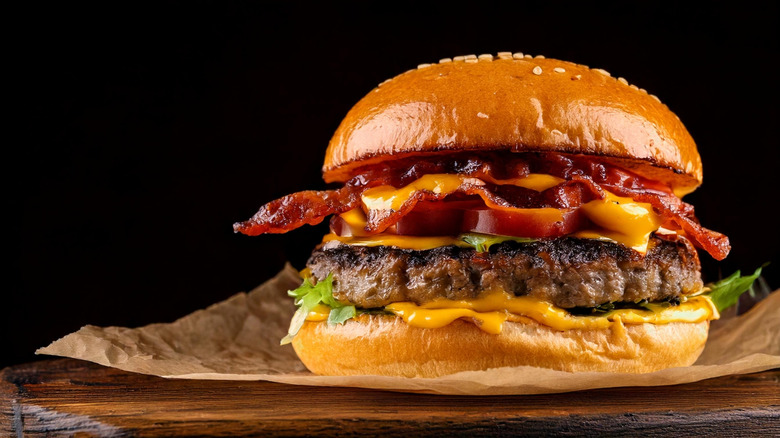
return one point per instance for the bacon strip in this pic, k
(293, 211)
(681, 214)
(311, 207)
(584, 177)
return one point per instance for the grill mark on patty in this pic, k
(568, 272)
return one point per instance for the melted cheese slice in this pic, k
(490, 312)
(621, 220)
(390, 198)
(534, 181)
(419, 243)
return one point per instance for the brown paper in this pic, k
(238, 339)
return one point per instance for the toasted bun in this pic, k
(385, 345)
(518, 105)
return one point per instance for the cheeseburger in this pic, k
(502, 211)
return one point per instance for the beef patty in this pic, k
(568, 272)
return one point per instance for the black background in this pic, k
(146, 131)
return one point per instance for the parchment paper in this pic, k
(238, 339)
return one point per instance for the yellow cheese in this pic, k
(534, 181)
(390, 198)
(305, 273)
(621, 220)
(419, 243)
(489, 313)
(320, 312)
(356, 220)
(491, 322)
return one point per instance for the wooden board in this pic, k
(70, 397)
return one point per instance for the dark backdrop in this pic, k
(146, 131)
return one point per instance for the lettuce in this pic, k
(725, 293)
(308, 296)
(482, 242)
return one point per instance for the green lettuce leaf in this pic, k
(725, 293)
(340, 314)
(483, 242)
(307, 297)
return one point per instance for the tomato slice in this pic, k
(454, 218)
(525, 222)
(430, 223)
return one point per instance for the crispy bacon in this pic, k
(585, 180)
(679, 213)
(293, 211)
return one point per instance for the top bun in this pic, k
(516, 104)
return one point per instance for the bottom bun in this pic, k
(386, 345)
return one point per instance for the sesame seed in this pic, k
(483, 115)
(471, 57)
(655, 97)
(634, 87)
(459, 58)
(485, 57)
(623, 81)
(559, 70)
(504, 54)
(517, 55)
(537, 70)
(540, 56)
(471, 60)
(423, 66)
(527, 56)
(445, 60)
(643, 90)
(576, 77)
(602, 71)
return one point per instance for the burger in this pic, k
(502, 211)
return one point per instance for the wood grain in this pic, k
(66, 397)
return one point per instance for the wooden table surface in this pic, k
(69, 397)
